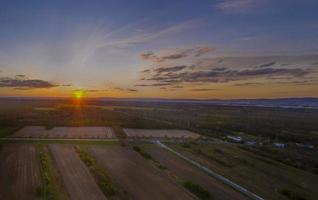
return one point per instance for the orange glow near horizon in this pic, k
(78, 96)
(221, 91)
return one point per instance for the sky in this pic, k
(222, 49)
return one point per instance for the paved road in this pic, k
(213, 174)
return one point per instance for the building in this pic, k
(279, 145)
(235, 139)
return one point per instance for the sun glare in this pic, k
(78, 94)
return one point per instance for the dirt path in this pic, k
(19, 172)
(140, 179)
(77, 179)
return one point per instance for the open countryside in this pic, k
(158, 100)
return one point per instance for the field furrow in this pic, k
(140, 179)
(19, 172)
(77, 179)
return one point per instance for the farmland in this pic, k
(261, 175)
(140, 180)
(107, 149)
(65, 132)
(19, 172)
(78, 181)
(183, 169)
(158, 100)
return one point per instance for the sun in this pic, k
(78, 94)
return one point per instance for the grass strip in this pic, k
(109, 188)
(147, 156)
(197, 190)
(142, 153)
(51, 188)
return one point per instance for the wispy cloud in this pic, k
(203, 89)
(177, 54)
(161, 70)
(248, 84)
(87, 47)
(66, 85)
(237, 6)
(308, 81)
(92, 90)
(210, 70)
(146, 37)
(226, 76)
(22, 82)
(125, 89)
(267, 65)
(152, 85)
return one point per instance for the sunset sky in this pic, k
(159, 48)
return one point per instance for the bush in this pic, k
(160, 166)
(107, 188)
(146, 155)
(86, 158)
(39, 191)
(197, 190)
(142, 153)
(185, 145)
(136, 148)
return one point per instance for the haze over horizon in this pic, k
(222, 49)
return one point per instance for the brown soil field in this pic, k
(19, 172)
(139, 178)
(160, 133)
(188, 172)
(77, 179)
(65, 132)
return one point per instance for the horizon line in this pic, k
(161, 98)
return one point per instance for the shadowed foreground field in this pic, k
(139, 178)
(19, 172)
(78, 181)
(261, 175)
(188, 172)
